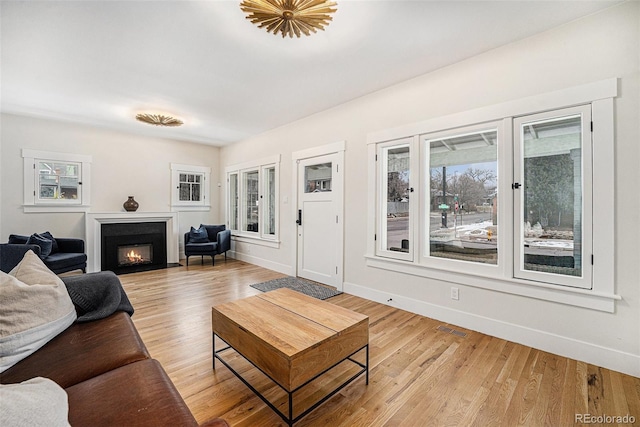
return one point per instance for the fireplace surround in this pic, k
(95, 221)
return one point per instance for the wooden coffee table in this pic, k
(292, 338)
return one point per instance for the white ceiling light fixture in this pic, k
(289, 17)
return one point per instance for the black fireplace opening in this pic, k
(133, 247)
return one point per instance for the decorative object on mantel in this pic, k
(289, 17)
(130, 205)
(159, 120)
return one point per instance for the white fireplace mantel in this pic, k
(93, 229)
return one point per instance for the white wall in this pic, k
(123, 165)
(595, 48)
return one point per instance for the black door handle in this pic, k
(299, 220)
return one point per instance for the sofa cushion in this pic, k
(202, 248)
(138, 394)
(198, 235)
(35, 308)
(38, 402)
(62, 260)
(213, 230)
(83, 351)
(44, 243)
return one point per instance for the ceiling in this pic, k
(102, 62)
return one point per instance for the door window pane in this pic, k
(463, 206)
(552, 195)
(317, 178)
(397, 198)
(250, 185)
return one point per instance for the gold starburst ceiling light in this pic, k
(289, 17)
(159, 120)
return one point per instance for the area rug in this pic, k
(306, 287)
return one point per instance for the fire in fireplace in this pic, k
(135, 255)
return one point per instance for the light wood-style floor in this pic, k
(420, 375)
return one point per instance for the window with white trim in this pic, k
(394, 238)
(252, 195)
(56, 182)
(535, 165)
(190, 187)
(553, 197)
(460, 220)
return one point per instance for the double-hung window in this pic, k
(252, 194)
(506, 202)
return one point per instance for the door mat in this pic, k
(306, 287)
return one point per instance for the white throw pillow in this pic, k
(38, 402)
(35, 308)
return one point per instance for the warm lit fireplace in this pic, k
(136, 246)
(135, 254)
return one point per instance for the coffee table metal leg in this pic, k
(367, 373)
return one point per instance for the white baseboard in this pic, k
(280, 268)
(564, 346)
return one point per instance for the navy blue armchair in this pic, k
(217, 241)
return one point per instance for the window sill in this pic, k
(190, 208)
(565, 295)
(55, 208)
(256, 240)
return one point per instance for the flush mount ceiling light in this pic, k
(159, 120)
(289, 17)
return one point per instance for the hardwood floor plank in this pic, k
(419, 375)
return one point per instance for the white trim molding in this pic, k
(564, 346)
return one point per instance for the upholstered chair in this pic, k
(209, 240)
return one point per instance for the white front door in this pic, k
(319, 219)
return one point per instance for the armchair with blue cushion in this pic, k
(210, 240)
(59, 254)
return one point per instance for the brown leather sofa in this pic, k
(109, 377)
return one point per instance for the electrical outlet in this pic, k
(455, 293)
